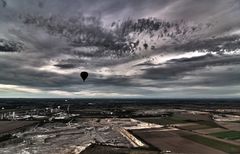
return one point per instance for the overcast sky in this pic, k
(130, 48)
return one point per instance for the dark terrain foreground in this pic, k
(90, 126)
(101, 149)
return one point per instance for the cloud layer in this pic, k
(136, 48)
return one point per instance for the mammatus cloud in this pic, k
(135, 48)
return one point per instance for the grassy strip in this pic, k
(226, 147)
(231, 135)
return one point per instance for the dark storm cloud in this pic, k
(65, 66)
(227, 77)
(70, 83)
(15, 74)
(200, 80)
(217, 45)
(20, 76)
(220, 44)
(176, 68)
(207, 78)
(82, 31)
(10, 46)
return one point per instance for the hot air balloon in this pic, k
(84, 75)
(41, 5)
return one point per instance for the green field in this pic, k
(175, 119)
(163, 120)
(211, 124)
(229, 148)
(236, 121)
(195, 127)
(230, 135)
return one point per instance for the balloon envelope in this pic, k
(84, 75)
